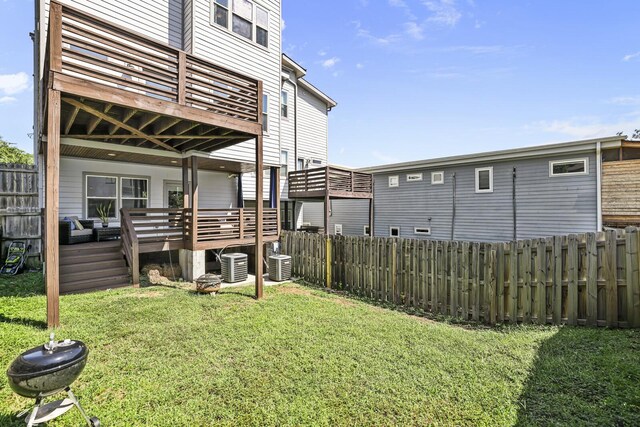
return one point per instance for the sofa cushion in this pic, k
(76, 233)
(70, 221)
(76, 222)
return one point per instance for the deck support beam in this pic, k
(186, 191)
(259, 215)
(52, 179)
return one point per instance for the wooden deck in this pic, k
(620, 189)
(124, 88)
(330, 181)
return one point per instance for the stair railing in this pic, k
(130, 249)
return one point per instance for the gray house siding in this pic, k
(546, 206)
(353, 215)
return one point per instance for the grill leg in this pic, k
(31, 419)
(76, 402)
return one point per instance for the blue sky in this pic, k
(428, 78)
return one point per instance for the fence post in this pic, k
(572, 280)
(592, 280)
(327, 262)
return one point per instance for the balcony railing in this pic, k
(336, 182)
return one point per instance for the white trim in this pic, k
(412, 177)
(584, 160)
(438, 182)
(229, 27)
(478, 170)
(390, 231)
(491, 156)
(337, 229)
(116, 199)
(425, 231)
(395, 178)
(364, 231)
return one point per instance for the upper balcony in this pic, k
(121, 87)
(330, 182)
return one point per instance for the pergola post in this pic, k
(52, 179)
(277, 203)
(259, 217)
(327, 202)
(371, 217)
(186, 191)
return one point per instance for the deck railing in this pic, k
(341, 182)
(101, 52)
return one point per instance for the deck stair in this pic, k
(92, 266)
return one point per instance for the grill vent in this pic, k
(279, 268)
(234, 267)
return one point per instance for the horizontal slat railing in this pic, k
(226, 224)
(101, 52)
(341, 181)
(588, 279)
(157, 225)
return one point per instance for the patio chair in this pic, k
(70, 235)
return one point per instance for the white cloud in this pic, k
(322, 53)
(444, 12)
(588, 127)
(7, 99)
(12, 84)
(381, 41)
(359, 66)
(385, 158)
(283, 25)
(625, 100)
(631, 56)
(331, 62)
(414, 30)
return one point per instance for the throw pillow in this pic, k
(70, 221)
(76, 222)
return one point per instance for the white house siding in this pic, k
(287, 134)
(236, 53)
(216, 189)
(546, 206)
(312, 127)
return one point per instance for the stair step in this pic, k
(81, 265)
(90, 274)
(90, 248)
(90, 258)
(102, 283)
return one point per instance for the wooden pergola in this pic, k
(102, 82)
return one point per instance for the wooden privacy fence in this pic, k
(587, 279)
(20, 217)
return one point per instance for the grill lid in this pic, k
(51, 357)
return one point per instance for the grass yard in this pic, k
(162, 356)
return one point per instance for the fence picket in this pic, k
(513, 282)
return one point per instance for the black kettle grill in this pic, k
(47, 370)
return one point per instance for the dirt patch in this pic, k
(307, 292)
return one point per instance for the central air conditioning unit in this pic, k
(279, 268)
(234, 267)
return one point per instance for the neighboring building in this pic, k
(499, 196)
(165, 125)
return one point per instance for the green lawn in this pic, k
(164, 356)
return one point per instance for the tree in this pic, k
(9, 153)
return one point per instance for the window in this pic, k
(366, 231)
(437, 178)
(422, 230)
(221, 12)
(394, 181)
(262, 27)
(284, 104)
(337, 229)
(265, 113)
(247, 19)
(242, 20)
(569, 167)
(300, 164)
(484, 180)
(414, 177)
(284, 161)
(316, 162)
(394, 231)
(134, 193)
(101, 191)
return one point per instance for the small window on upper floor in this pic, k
(414, 177)
(316, 161)
(437, 178)
(247, 19)
(265, 113)
(284, 104)
(394, 181)
(394, 231)
(569, 167)
(484, 180)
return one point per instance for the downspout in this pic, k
(453, 216)
(599, 185)
(514, 203)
